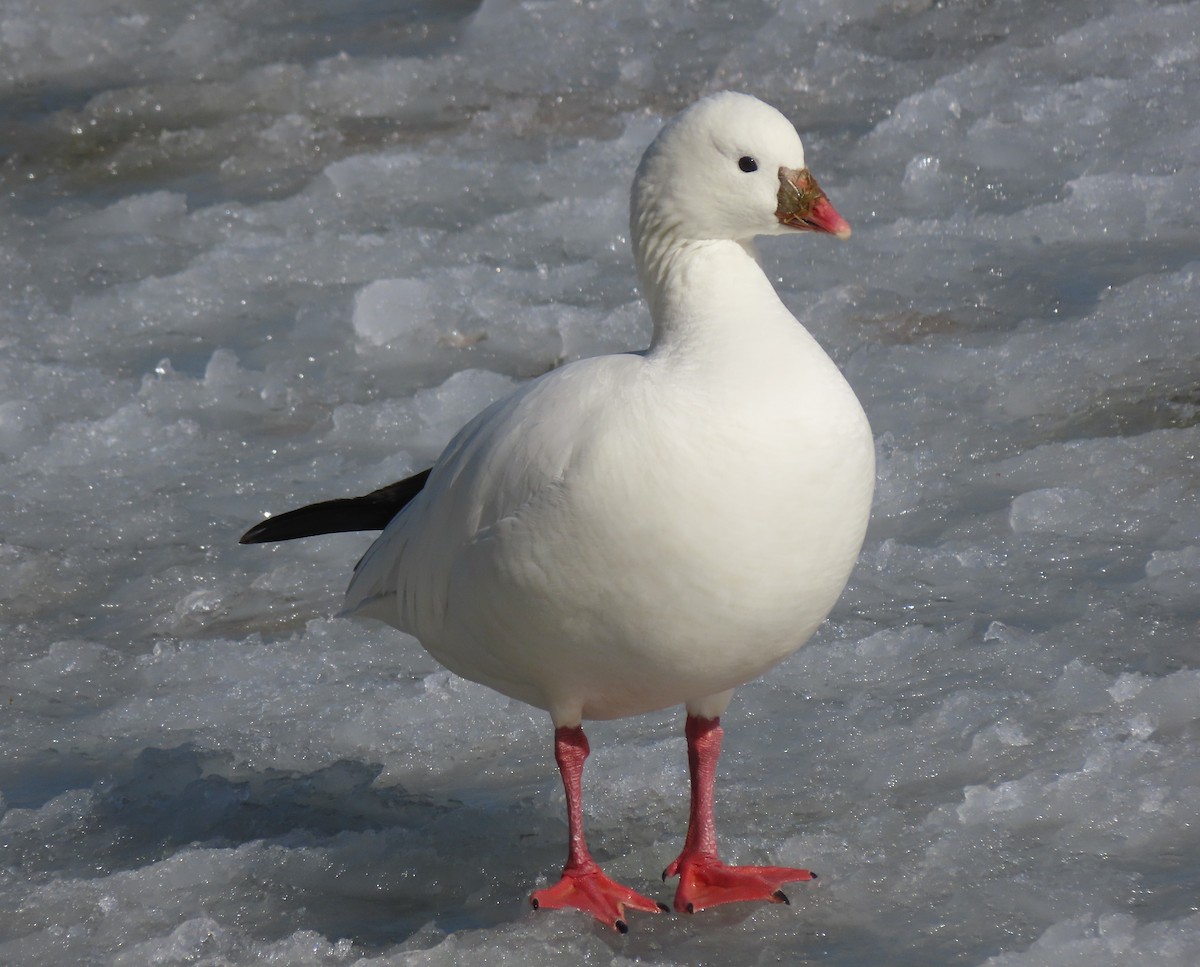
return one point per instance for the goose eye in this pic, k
(747, 164)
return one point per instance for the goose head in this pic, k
(728, 167)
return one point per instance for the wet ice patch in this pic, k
(258, 256)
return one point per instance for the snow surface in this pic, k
(255, 255)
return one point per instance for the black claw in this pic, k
(781, 897)
(622, 926)
(533, 902)
(814, 875)
(690, 908)
(664, 876)
(664, 908)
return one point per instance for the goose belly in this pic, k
(617, 594)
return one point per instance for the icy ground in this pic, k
(256, 254)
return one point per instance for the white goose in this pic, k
(650, 529)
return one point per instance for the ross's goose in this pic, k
(650, 529)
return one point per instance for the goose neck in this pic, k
(711, 289)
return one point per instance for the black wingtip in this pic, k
(371, 512)
(255, 534)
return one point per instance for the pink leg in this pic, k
(704, 881)
(584, 885)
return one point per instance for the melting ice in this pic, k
(257, 255)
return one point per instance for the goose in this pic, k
(643, 530)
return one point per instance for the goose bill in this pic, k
(804, 206)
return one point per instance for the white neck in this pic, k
(710, 292)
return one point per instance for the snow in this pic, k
(256, 255)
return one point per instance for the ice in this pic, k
(260, 254)
(1109, 941)
(386, 308)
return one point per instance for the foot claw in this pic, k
(781, 897)
(664, 908)
(622, 926)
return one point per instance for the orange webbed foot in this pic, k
(593, 891)
(704, 881)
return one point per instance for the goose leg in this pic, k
(704, 881)
(584, 886)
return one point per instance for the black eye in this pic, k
(747, 164)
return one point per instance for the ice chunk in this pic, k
(388, 309)
(1061, 510)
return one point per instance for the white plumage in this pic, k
(636, 531)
